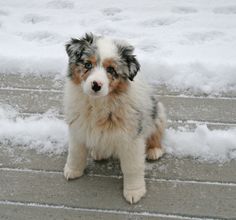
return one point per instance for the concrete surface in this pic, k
(168, 167)
(100, 192)
(22, 211)
(56, 83)
(32, 185)
(178, 108)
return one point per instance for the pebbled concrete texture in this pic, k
(178, 108)
(167, 167)
(52, 82)
(32, 185)
(29, 81)
(200, 109)
(31, 212)
(191, 199)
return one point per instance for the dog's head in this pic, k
(100, 65)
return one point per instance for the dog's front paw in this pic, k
(134, 195)
(71, 173)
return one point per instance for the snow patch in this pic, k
(60, 4)
(34, 18)
(3, 13)
(202, 144)
(161, 21)
(184, 10)
(111, 11)
(202, 37)
(44, 133)
(170, 37)
(48, 134)
(195, 77)
(225, 10)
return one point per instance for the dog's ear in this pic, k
(126, 54)
(75, 47)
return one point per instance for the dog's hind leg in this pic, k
(154, 148)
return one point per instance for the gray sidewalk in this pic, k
(32, 185)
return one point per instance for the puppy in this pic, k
(109, 112)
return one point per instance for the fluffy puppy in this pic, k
(109, 112)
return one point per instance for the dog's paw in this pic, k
(134, 195)
(155, 153)
(72, 174)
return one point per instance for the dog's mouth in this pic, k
(94, 94)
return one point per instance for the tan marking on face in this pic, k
(93, 60)
(80, 73)
(109, 62)
(86, 72)
(117, 86)
(85, 75)
(76, 75)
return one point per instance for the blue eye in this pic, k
(88, 65)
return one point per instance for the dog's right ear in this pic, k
(72, 46)
(75, 47)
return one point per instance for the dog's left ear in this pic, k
(126, 53)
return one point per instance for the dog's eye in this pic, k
(111, 70)
(88, 65)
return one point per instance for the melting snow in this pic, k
(48, 134)
(202, 143)
(44, 133)
(183, 44)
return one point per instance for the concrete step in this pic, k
(215, 201)
(168, 167)
(54, 82)
(29, 211)
(178, 108)
(31, 81)
(32, 185)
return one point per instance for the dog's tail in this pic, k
(161, 120)
(154, 146)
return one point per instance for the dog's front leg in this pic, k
(132, 160)
(77, 156)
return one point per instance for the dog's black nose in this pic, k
(96, 86)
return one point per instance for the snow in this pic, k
(48, 134)
(186, 45)
(183, 44)
(202, 143)
(44, 133)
